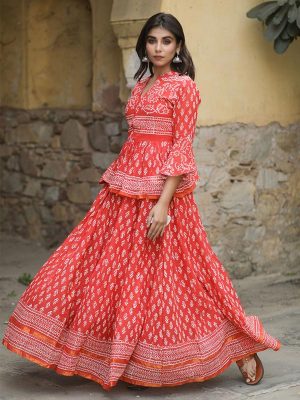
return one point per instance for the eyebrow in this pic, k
(165, 37)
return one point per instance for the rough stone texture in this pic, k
(97, 137)
(248, 192)
(79, 193)
(55, 170)
(249, 195)
(73, 135)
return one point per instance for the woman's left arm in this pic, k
(181, 159)
(160, 210)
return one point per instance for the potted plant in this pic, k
(281, 19)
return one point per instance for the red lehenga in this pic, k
(110, 304)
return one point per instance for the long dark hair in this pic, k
(170, 23)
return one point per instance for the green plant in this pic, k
(25, 279)
(281, 19)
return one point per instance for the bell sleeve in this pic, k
(181, 158)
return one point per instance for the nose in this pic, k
(158, 46)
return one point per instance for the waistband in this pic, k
(151, 137)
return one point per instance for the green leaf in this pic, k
(282, 2)
(292, 14)
(281, 14)
(269, 19)
(280, 45)
(263, 10)
(298, 18)
(293, 30)
(284, 34)
(273, 31)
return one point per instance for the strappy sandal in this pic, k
(136, 387)
(259, 369)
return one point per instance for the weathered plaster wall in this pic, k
(240, 76)
(12, 65)
(107, 60)
(59, 52)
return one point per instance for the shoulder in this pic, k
(186, 88)
(185, 82)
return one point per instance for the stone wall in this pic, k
(248, 193)
(51, 161)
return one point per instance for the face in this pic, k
(161, 47)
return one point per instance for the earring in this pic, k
(177, 59)
(145, 58)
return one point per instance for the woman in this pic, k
(135, 292)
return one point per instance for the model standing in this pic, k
(135, 292)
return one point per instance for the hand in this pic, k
(159, 213)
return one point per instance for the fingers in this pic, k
(155, 230)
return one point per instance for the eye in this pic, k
(167, 41)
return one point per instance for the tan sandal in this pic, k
(259, 369)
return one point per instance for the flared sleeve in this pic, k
(181, 158)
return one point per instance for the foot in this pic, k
(247, 367)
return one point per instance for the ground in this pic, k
(274, 298)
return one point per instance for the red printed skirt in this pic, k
(111, 304)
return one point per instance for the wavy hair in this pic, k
(170, 23)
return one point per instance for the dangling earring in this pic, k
(145, 58)
(177, 59)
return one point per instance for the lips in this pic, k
(158, 57)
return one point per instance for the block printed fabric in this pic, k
(110, 304)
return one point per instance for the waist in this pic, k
(151, 137)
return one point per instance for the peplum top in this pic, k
(161, 129)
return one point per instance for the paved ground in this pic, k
(274, 298)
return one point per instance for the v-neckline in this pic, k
(142, 95)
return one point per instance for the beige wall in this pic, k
(12, 69)
(59, 53)
(69, 56)
(240, 77)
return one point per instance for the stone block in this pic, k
(55, 142)
(60, 212)
(97, 137)
(74, 135)
(254, 233)
(103, 160)
(32, 188)
(116, 143)
(267, 205)
(31, 215)
(112, 128)
(239, 197)
(288, 141)
(269, 178)
(259, 150)
(51, 195)
(124, 124)
(89, 175)
(12, 182)
(13, 163)
(55, 170)
(36, 132)
(80, 193)
(28, 164)
(95, 191)
(23, 117)
(5, 151)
